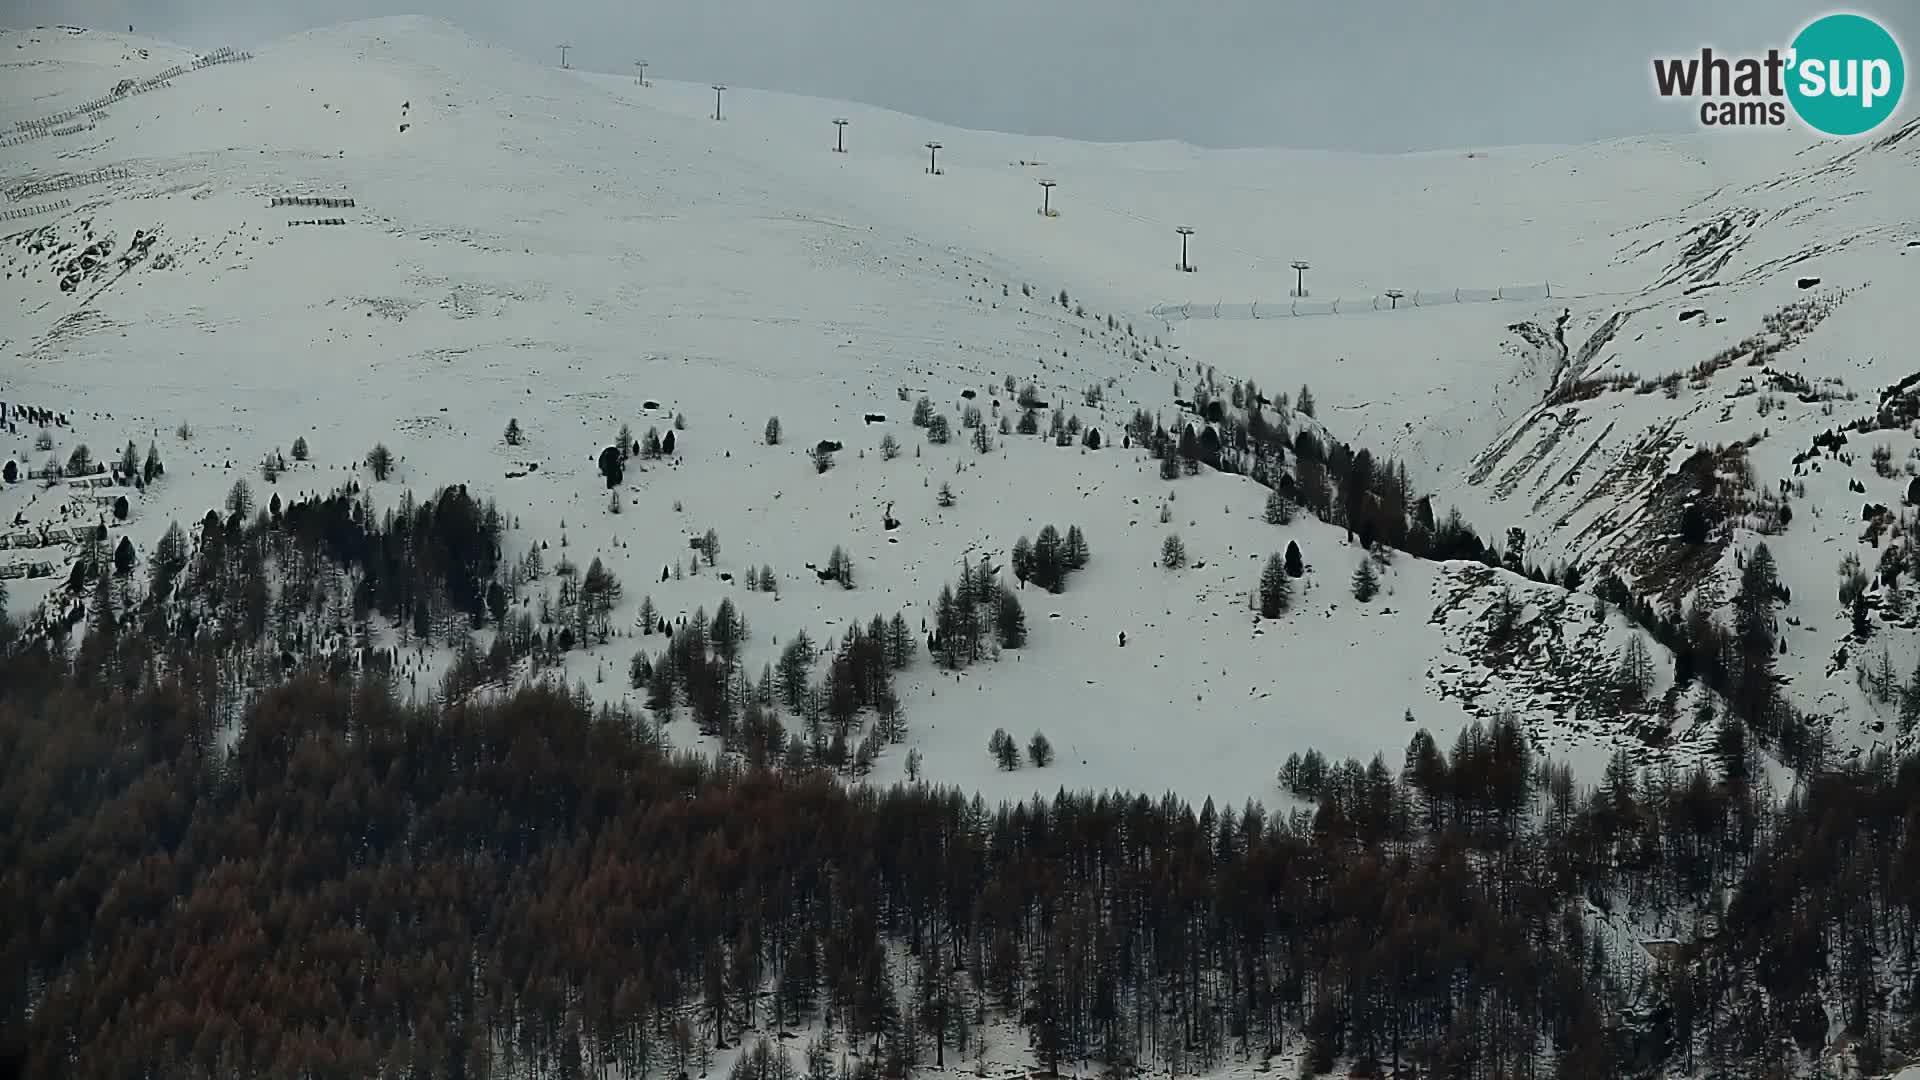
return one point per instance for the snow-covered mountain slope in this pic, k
(479, 239)
(1757, 363)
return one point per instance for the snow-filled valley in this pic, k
(389, 233)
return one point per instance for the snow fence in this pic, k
(70, 121)
(1297, 307)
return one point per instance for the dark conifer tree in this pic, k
(1366, 581)
(1010, 621)
(1275, 593)
(380, 461)
(1076, 553)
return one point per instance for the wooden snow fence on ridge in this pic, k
(1297, 307)
(18, 212)
(325, 202)
(65, 182)
(63, 123)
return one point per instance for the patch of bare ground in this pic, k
(1642, 507)
(1540, 651)
(1544, 446)
(1633, 468)
(1780, 331)
(1572, 384)
(1572, 474)
(1898, 409)
(1490, 459)
(1691, 516)
(1709, 247)
(1539, 341)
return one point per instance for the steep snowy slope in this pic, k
(474, 239)
(1755, 369)
(1771, 322)
(1739, 346)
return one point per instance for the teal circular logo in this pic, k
(1847, 75)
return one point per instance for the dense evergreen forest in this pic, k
(530, 887)
(228, 849)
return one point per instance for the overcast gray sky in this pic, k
(1349, 74)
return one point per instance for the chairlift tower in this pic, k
(1394, 295)
(718, 89)
(1300, 269)
(563, 55)
(642, 66)
(1046, 196)
(1184, 231)
(933, 159)
(839, 134)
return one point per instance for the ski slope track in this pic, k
(389, 232)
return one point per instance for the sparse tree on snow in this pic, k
(1075, 553)
(840, 567)
(240, 500)
(1366, 581)
(1279, 511)
(1040, 751)
(1276, 589)
(1173, 552)
(380, 461)
(1004, 749)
